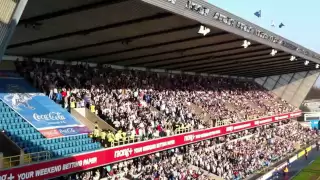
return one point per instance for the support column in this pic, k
(287, 84)
(21, 157)
(10, 13)
(1, 161)
(304, 88)
(264, 82)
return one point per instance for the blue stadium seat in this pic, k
(30, 140)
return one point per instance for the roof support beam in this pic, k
(233, 60)
(171, 61)
(241, 62)
(68, 11)
(133, 38)
(265, 69)
(145, 47)
(172, 51)
(273, 72)
(88, 31)
(204, 60)
(258, 62)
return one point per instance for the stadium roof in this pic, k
(160, 34)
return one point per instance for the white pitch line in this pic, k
(296, 174)
(310, 162)
(300, 171)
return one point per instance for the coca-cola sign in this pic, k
(52, 116)
(51, 133)
(39, 110)
(68, 131)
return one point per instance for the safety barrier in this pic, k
(222, 122)
(129, 139)
(183, 130)
(228, 121)
(12, 161)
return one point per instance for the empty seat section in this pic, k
(31, 141)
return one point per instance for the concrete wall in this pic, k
(292, 87)
(7, 147)
(90, 118)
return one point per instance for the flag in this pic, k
(281, 25)
(258, 13)
(272, 24)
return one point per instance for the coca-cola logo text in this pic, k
(51, 133)
(53, 116)
(67, 131)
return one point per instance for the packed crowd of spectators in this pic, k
(143, 102)
(166, 165)
(241, 158)
(295, 132)
(232, 157)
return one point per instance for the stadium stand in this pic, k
(125, 99)
(159, 82)
(168, 103)
(235, 156)
(31, 141)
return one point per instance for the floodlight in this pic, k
(246, 44)
(204, 30)
(273, 52)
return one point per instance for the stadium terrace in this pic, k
(86, 85)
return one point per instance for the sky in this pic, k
(300, 17)
(317, 83)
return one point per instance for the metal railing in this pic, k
(12, 161)
(129, 140)
(183, 130)
(17, 160)
(249, 118)
(222, 122)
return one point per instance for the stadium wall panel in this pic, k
(7, 8)
(260, 80)
(10, 13)
(279, 89)
(304, 88)
(291, 87)
(270, 83)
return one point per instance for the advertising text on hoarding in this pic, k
(49, 170)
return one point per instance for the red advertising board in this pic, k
(58, 167)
